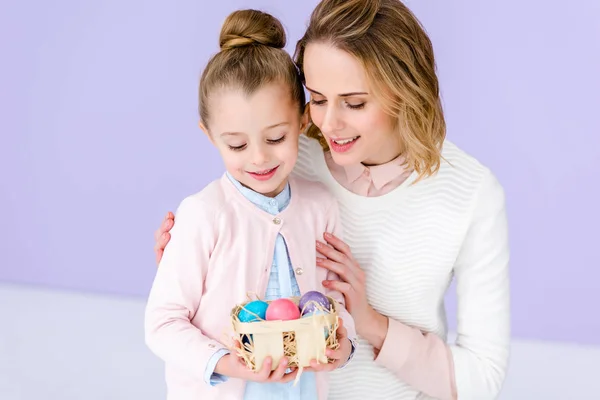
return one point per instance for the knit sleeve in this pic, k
(474, 367)
(482, 280)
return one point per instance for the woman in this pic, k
(417, 210)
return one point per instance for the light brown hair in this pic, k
(251, 56)
(397, 55)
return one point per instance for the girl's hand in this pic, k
(234, 367)
(162, 236)
(339, 356)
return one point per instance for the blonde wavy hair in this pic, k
(397, 55)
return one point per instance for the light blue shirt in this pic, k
(282, 283)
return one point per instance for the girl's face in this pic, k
(344, 108)
(257, 135)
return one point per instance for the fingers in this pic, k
(332, 253)
(160, 245)
(167, 223)
(162, 236)
(341, 270)
(343, 287)
(235, 344)
(341, 333)
(320, 367)
(159, 254)
(344, 257)
(336, 355)
(342, 337)
(279, 371)
(338, 244)
(263, 373)
(291, 376)
(165, 226)
(164, 239)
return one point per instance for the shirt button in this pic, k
(276, 221)
(212, 346)
(299, 271)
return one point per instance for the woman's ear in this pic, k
(205, 130)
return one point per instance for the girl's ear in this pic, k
(205, 130)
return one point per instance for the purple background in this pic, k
(100, 138)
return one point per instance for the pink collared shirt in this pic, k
(370, 181)
(221, 250)
(406, 351)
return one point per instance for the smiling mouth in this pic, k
(264, 172)
(342, 142)
(263, 175)
(342, 145)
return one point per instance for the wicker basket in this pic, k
(301, 340)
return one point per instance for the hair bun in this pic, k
(251, 27)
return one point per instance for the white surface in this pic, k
(73, 346)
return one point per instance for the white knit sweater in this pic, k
(411, 242)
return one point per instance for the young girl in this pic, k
(252, 230)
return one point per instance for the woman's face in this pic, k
(343, 107)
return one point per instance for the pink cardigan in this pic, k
(221, 248)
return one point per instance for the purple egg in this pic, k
(310, 299)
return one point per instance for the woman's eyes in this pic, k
(356, 106)
(349, 105)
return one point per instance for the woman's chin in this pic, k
(352, 157)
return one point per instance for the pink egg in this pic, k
(282, 310)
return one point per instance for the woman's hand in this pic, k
(369, 323)
(162, 236)
(232, 366)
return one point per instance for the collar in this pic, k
(273, 205)
(380, 175)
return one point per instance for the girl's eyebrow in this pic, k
(277, 124)
(231, 134)
(268, 127)
(341, 95)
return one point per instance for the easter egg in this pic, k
(282, 310)
(254, 311)
(308, 302)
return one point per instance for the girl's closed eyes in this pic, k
(278, 140)
(269, 141)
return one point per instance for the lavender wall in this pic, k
(99, 137)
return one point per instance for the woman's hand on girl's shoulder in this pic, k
(352, 283)
(162, 236)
